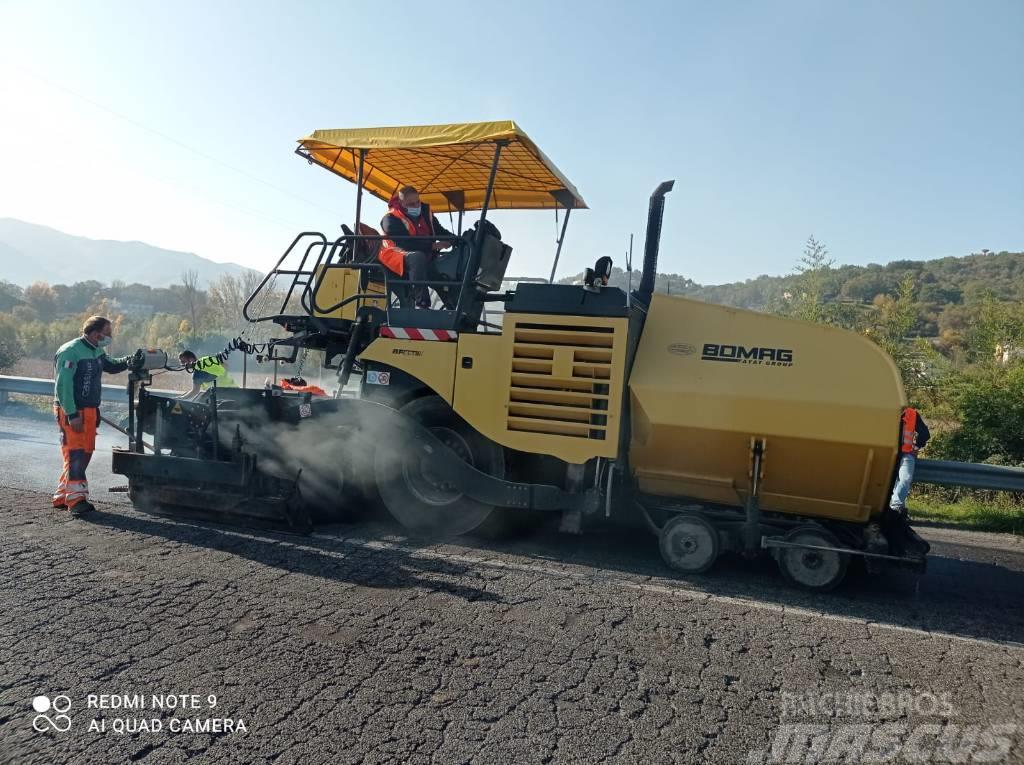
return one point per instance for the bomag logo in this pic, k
(741, 354)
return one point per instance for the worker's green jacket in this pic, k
(78, 369)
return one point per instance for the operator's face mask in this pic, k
(105, 341)
(413, 212)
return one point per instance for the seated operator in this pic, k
(204, 370)
(411, 259)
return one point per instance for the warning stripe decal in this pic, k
(411, 333)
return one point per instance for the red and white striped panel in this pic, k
(409, 333)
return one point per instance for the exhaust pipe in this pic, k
(653, 241)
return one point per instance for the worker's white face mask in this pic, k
(105, 341)
(413, 212)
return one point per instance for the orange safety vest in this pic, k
(316, 391)
(909, 434)
(391, 255)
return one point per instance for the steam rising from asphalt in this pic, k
(344, 450)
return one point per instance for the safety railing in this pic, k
(36, 386)
(312, 278)
(969, 475)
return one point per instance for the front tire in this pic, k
(419, 500)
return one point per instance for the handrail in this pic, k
(274, 271)
(309, 297)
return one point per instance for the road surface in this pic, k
(358, 645)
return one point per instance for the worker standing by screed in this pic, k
(78, 369)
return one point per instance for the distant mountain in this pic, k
(31, 253)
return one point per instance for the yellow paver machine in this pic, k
(720, 429)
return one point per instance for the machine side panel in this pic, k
(433, 363)
(546, 385)
(709, 378)
(340, 283)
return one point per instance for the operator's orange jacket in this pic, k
(392, 255)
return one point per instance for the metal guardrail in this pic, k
(37, 386)
(969, 475)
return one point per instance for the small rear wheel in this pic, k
(812, 569)
(689, 544)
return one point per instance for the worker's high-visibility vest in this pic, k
(909, 434)
(210, 365)
(391, 255)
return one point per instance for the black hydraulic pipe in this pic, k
(216, 424)
(131, 411)
(478, 239)
(359, 188)
(558, 250)
(350, 354)
(752, 523)
(654, 216)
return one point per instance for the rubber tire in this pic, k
(411, 506)
(690, 529)
(789, 558)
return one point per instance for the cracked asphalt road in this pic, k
(360, 645)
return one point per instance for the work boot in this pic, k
(893, 525)
(915, 544)
(81, 508)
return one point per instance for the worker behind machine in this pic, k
(914, 434)
(206, 370)
(409, 258)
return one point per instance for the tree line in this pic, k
(36, 320)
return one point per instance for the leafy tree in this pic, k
(988, 405)
(994, 323)
(42, 299)
(10, 348)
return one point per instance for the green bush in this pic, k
(988, 404)
(11, 350)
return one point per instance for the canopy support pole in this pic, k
(478, 240)
(359, 189)
(558, 250)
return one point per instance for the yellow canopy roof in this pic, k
(442, 161)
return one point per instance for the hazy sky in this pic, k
(888, 130)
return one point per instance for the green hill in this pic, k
(941, 286)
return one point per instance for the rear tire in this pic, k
(421, 502)
(814, 570)
(689, 544)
